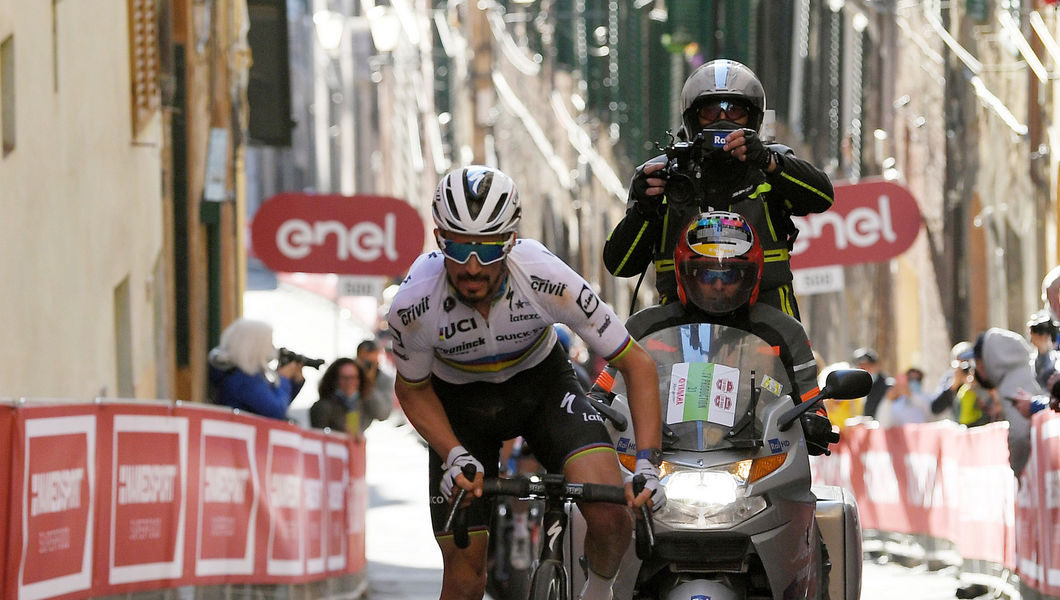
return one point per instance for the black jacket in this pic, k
(766, 201)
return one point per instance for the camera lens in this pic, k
(680, 188)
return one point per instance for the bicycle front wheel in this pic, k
(550, 582)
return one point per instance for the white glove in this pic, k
(458, 457)
(651, 482)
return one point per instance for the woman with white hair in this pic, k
(240, 375)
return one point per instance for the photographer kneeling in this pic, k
(240, 372)
(719, 163)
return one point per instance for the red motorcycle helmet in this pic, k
(718, 261)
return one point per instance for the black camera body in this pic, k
(684, 171)
(287, 356)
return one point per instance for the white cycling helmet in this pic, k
(476, 200)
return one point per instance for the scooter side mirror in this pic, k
(841, 384)
(847, 384)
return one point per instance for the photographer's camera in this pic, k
(287, 356)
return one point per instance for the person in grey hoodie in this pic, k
(1004, 361)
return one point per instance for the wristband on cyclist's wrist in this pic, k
(652, 455)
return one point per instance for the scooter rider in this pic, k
(478, 363)
(719, 265)
(764, 182)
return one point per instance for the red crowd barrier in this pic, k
(954, 483)
(114, 498)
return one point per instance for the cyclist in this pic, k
(765, 183)
(719, 268)
(478, 363)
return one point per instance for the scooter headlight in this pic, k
(708, 498)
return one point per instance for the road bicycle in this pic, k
(550, 579)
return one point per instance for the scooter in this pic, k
(740, 520)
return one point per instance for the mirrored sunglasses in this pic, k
(486, 252)
(727, 276)
(712, 111)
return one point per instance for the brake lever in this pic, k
(456, 521)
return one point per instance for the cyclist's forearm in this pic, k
(642, 385)
(424, 410)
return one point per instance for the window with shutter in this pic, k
(143, 56)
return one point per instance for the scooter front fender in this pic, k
(701, 588)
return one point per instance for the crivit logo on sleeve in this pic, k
(351, 235)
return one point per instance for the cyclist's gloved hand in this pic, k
(651, 482)
(458, 457)
(818, 431)
(758, 156)
(648, 205)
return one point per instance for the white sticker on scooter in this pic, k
(768, 383)
(702, 392)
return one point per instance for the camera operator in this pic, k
(719, 163)
(240, 375)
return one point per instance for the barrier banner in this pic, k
(315, 516)
(143, 487)
(1038, 508)
(228, 498)
(285, 547)
(936, 479)
(337, 475)
(53, 489)
(356, 507)
(7, 414)
(1047, 430)
(114, 498)
(981, 501)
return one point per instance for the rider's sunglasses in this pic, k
(705, 275)
(486, 252)
(712, 111)
(726, 276)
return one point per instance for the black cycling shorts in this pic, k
(545, 404)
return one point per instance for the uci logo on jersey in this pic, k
(463, 325)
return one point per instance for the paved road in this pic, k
(404, 563)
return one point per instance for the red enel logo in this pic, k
(871, 221)
(349, 235)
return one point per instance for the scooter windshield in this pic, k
(706, 376)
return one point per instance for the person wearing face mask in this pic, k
(347, 402)
(905, 401)
(764, 182)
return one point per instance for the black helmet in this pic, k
(722, 79)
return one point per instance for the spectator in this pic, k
(905, 401)
(867, 359)
(240, 375)
(1043, 329)
(1003, 362)
(339, 390)
(943, 403)
(375, 378)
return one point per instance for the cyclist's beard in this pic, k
(490, 283)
